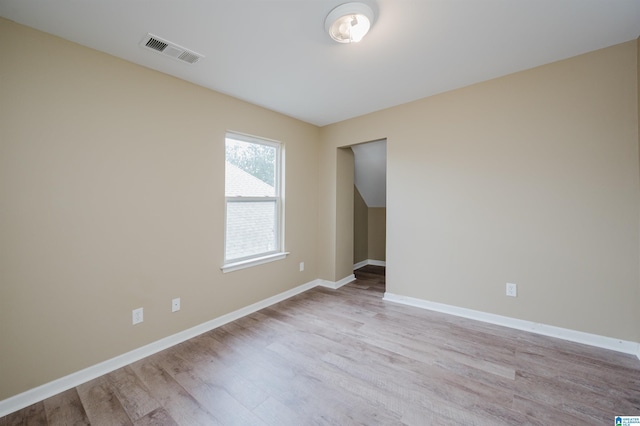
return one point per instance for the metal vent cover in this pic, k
(170, 49)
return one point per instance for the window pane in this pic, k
(250, 169)
(251, 228)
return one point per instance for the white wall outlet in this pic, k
(301, 266)
(137, 316)
(175, 304)
(512, 290)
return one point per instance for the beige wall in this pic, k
(531, 178)
(377, 230)
(360, 228)
(327, 182)
(111, 182)
(369, 233)
(344, 222)
(638, 112)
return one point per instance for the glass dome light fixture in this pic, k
(349, 22)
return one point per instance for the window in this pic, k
(253, 193)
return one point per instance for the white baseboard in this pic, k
(369, 262)
(337, 284)
(360, 264)
(62, 384)
(611, 343)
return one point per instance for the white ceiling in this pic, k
(370, 174)
(275, 53)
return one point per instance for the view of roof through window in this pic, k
(249, 160)
(252, 193)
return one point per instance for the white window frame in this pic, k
(278, 253)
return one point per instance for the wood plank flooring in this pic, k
(343, 357)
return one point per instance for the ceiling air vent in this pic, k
(172, 50)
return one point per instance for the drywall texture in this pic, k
(531, 178)
(360, 227)
(638, 112)
(377, 230)
(112, 191)
(344, 222)
(369, 230)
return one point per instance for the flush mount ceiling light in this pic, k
(349, 22)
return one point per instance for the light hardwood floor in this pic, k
(345, 357)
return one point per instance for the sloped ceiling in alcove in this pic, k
(371, 172)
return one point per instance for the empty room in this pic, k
(274, 212)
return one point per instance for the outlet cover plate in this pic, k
(512, 290)
(175, 304)
(137, 316)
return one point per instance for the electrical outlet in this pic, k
(512, 290)
(301, 266)
(175, 305)
(137, 316)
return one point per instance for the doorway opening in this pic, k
(370, 210)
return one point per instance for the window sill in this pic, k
(230, 267)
